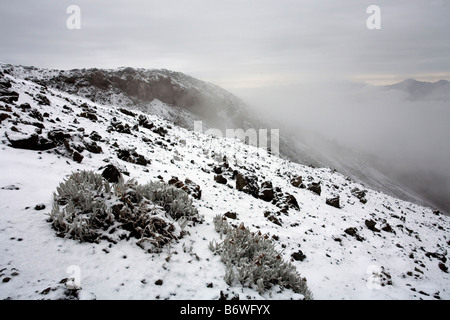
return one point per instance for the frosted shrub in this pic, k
(251, 259)
(79, 207)
(175, 202)
(88, 208)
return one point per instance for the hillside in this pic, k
(348, 241)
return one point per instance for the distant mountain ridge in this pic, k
(439, 90)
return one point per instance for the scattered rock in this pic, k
(371, 225)
(440, 256)
(247, 184)
(387, 228)
(89, 115)
(159, 282)
(334, 202)
(192, 188)
(58, 136)
(266, 192)
(10, 187)
(4, 116)
(297, 181)
(39, 207)
(272, 218)
(360, 194)
(132, 156)
(93, 147)
(315, 187)
(6, 279)
(118, 126)
(34, 113)
(42, 100)
(111, 173)
(220, 179)
(354, 233)
(127, 112)
(144, 122)
(231, 215)
(30, 142)
(8, 96)
(298, 256)
(443, 267)
(77, 157)
(160, 130)
(95, 136)
(290, 201)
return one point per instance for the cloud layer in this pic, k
(235, 43)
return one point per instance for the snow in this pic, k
(35, 260)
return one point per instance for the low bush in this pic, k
(251, 259)
(87, 207)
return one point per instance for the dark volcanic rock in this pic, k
(77, 157)
(144, 122)
(220, 179)
(111, 173)
(334, 202)
(39, 207)
(132, 156)
(354, 233)
(273, 218)
(42, 100)
(127, 112)
(58, 136)
(95, 136)
(192, 188)
(118, 126)
(93, 147)
(231, 215)
(7, 95)
(315, 187)
(31, 142)
(89, 115)
(371, 225)
(286, 201)
(360, 194)
(298, 256)
(160, 130)
(247, 184)
(266, 192)
(34, 113)
(297, 181)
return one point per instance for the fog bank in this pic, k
(405, 128)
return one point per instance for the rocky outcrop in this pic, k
(30, 142)
(266, 192)
(247, 184)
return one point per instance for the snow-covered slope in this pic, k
(182, 99)
(371, 246)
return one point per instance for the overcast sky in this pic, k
(235, 44)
